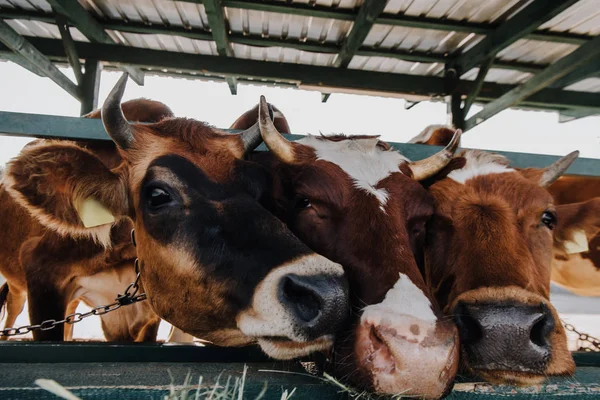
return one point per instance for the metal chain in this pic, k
(130, 296)
(585, 342)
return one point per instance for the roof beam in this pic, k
(35, 58)
(22, 61)
(524, 22)
(69, 44)
(559, 69)
(483, 70)
(216, 21)
(368, 13)
(90, 28)
(325, 97)
(299, 75)
(259, 41)
(572, 115)
(591, 69)
(408, 21)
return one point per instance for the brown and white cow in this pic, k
(214, 262)
(359, 203)
(55, 271)
(488, 255)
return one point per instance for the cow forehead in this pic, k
(365, 163)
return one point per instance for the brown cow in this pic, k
(488, 251)
(575, 267)
(214, 262)
(55, 271)
(359, 203)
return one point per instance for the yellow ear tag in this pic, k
(93, 213)
(579, 244)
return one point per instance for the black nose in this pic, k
(318, 303)
(513, 337)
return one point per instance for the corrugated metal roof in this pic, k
(581, 18)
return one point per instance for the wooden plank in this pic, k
(74, 128)
(69, 44)
(23, 48)
(557, 70)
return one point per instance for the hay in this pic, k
(232, 389)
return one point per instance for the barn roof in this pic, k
(542, 54)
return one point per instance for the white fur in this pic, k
(477, 165)
(365, 162)
(405, 298)
(425, 135)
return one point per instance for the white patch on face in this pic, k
(365, 162)
(479, 163)
(405, 298)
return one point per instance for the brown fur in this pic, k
(43, 265)
(487, 244)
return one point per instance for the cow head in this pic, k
(488, 254)
(214, 262)
(358, 202)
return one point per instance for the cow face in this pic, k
(359, 203)
(213, 261)
(488, 251)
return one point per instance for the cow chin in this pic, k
(297, 308)
(288, 350)
(511, 336)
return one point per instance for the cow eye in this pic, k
(302, 202)
(549, 219)
(158, 197)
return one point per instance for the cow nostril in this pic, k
(301, 297)
(537, 335)
(468, 326)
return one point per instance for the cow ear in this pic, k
(67, 189)
(578, 223)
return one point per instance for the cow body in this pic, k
(214, 262)
(55, 272)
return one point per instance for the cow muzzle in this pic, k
(298, 307)
(511, 336)
(405, 355)
(505, 337)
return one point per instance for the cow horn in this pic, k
(430, 166)
(115, 123)
(251, 137)
(554, 171)
(280, 146)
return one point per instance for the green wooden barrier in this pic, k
(51, 126)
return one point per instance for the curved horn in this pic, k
(251, 137)
(554, 171)
(280, 146)
(430, 166)
(114, 121)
